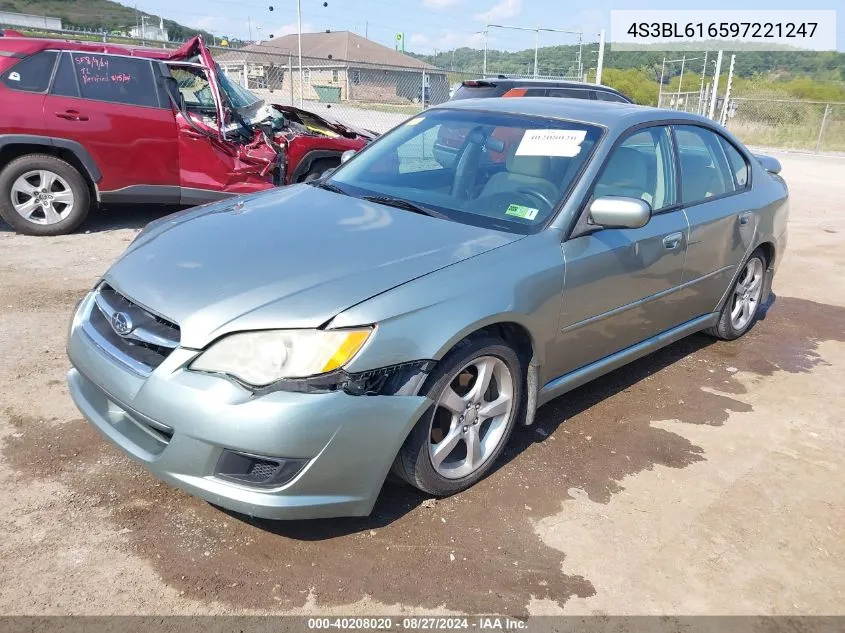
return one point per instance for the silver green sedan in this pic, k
(278, 354)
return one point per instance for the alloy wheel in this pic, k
(471, 417)
(42, 197)
(746, 297)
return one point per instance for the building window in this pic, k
(334, 75)
(356, 77)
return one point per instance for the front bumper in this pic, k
(177, 423)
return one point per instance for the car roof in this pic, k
(30, 45)
(608, 114)
(560, 83)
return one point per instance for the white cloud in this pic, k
(447, 41)
(263, 33)
(206, 23)
(505, 9)
(439, 4)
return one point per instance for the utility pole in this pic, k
(299, 37)
(249, 26)
(580, 55)
(144, 19)
(486, 30)
(600, 62)
(680, 81)
(715, 92)
(700, 109)
(723, 118)
(660, 85)
(367, 30)
(536, 30)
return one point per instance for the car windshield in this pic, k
(498, 170)
(238, 96)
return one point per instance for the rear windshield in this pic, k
(478, 92)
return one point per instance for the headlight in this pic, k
(261, 358)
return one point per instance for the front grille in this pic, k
(131, 334)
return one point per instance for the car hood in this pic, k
(344, 129)
(286, 258)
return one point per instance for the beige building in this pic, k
(337, 66)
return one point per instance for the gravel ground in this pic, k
(705, 478)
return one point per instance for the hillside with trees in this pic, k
(98, 15)
(818, 76)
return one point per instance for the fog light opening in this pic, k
(257, 470)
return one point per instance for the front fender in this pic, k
(520, 283)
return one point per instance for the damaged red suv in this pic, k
(85, 123)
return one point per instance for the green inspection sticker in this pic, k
(526, 213)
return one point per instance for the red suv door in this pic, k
(22, 93)
(114, 107)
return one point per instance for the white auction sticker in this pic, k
(551, 143)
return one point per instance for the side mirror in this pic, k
(613, 212)
(347, 155)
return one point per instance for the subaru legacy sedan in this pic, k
(280, 353)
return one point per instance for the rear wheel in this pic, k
(478, 391)
(43, 195)
(743, 303)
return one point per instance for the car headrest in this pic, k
(536, 166)
(627, 168)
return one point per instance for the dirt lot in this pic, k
(706, 478)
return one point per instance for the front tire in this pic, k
(742, 306)
(41, 194)
(478, 390)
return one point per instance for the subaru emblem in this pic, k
(121, 323)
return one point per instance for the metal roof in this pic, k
(337, 48)
(606, 113)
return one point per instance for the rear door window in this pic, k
(33, 73)
(115, 79)
(64, 83)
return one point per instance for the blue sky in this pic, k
(430, 24)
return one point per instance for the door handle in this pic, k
(193, 134)
(672, 241)
(744, 218)
(72, 115)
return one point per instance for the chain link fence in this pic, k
(371, 95)
(692, 101)
(380, 96)
(790, 124)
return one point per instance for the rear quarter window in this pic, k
(738, 164)
(601, 95)
(31, 74)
